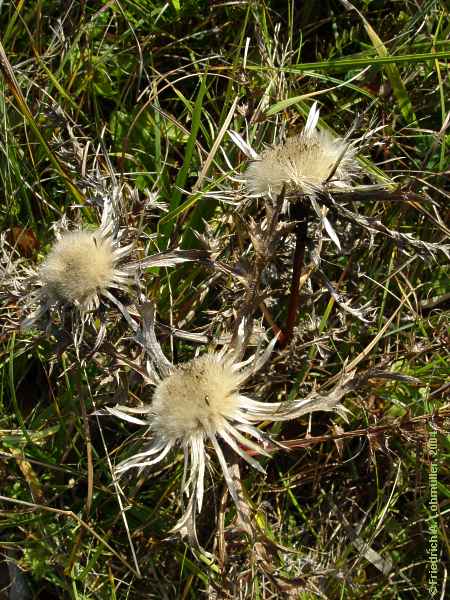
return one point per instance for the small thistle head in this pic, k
(84, 267)
(79, 267)
(305, 163)
(195, 398)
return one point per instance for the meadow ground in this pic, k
(136, 99)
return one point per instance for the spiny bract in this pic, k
(83, 269)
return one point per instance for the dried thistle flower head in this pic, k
(79, 266)
(305, 162)
(82, 268)
(201, 401)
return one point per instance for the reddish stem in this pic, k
(301, 215)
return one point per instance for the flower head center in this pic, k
(195, 398)
(79, 265)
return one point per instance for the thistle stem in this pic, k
(300, 214)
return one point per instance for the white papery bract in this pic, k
(197, 406)
(306, 163)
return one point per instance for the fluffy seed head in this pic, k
(78, 266)
(304, 163)
(195, 398)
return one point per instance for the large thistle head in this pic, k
(199, 405)
(82, 267)
(195, 398)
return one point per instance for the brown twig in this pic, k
(268, 317)
(410, 425)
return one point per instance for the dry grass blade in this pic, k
(13, 85)
(70, 515)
